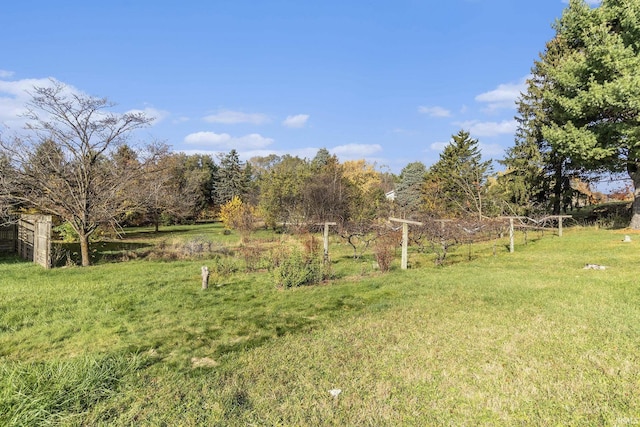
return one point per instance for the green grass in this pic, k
(48, 392)
(529, 338)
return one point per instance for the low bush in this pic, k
(197, 247)
(252, 254)
(298, 269)
(224, 265)
(384, 251)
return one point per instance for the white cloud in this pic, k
(504, 96)
(234, 117)
(478, 128)
(356, 150)
(14, 96)
(438, 146)
(434, 111)
(253, 141)
(4, 74)
(297, 121)
(154, 113)
(181, 119)
(207, 138)
(226, 141)
(491, 150)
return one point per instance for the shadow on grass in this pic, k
(151, 233)
(9, 258)
(246, 327)
(183, 230)
(101, 252)
(252, 332)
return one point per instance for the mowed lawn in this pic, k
(529, 338)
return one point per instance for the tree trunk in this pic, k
(557, 189)
(155, 217)
(634, 174)
(84, 249)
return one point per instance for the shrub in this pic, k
(197, 247)
(297, 270)
(224, 265)
(276, 255)
(384, 251)
(65, 232)
(252, 255)
(236, 215)
(311, 245)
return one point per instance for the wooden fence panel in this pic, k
(34, 239)
(26, 228)
(8, 238)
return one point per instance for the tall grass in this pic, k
(529, 338)
(57, 391)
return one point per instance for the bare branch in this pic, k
(64, 167)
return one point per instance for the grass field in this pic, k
(529, 338)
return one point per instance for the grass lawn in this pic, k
(528, 338)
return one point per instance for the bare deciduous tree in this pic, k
(63, 167)
(6, 182)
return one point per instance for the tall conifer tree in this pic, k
(459, 178)
(595, 90)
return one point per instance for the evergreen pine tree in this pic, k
(594, 89)
(409, 190)
(459, 178)
(230, 179)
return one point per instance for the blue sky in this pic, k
(387, 81)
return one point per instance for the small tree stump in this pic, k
(205, 277)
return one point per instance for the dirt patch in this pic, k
(203, 362)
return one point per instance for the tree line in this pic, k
(578, 118)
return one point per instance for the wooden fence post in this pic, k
(560, 217)
(511, 243)
(205, 277)
(512, 231)
(559, 226)
(325, 237)
(405, 239)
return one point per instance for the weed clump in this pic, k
(198, 247)
(298, 269)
